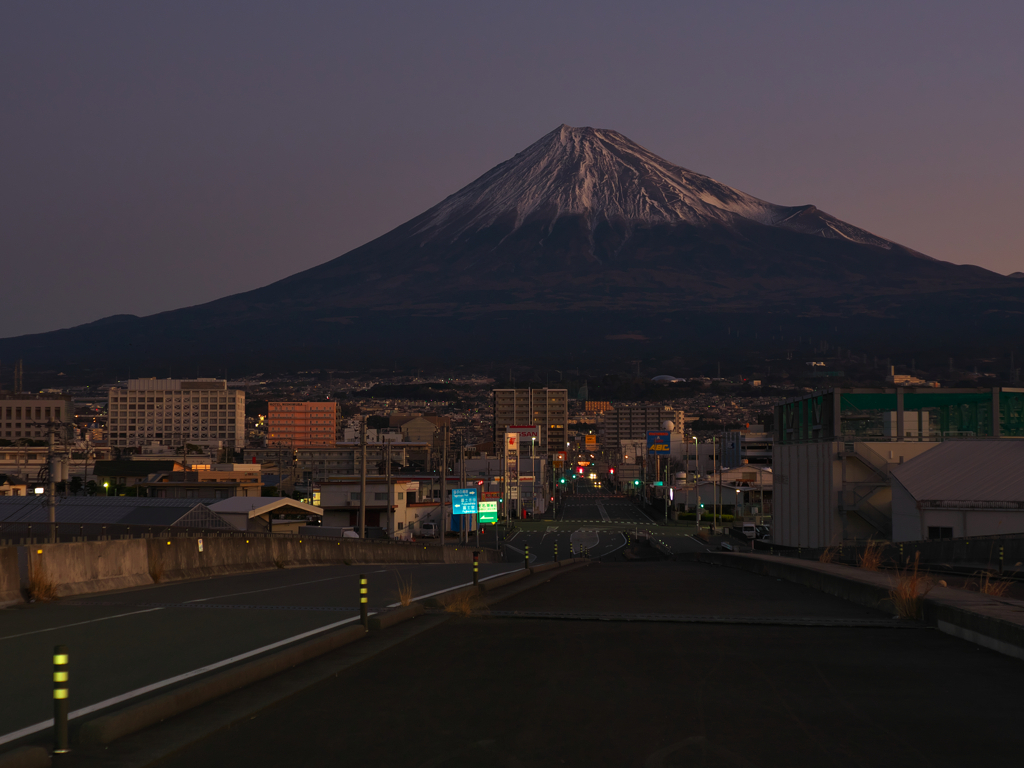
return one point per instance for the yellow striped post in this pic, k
(556, 551)
(476, 569)
(60, 699)
(526, 557)
(363, 614)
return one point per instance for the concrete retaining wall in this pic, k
(10, 581)
(90, 566)
(98, 566)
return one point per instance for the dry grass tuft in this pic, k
(278, 562)
(41, 589)
(156, 571)
(991, 587)
(404, 589)
(460, 604)
(871, 557)
(828, 555)
(909, 588)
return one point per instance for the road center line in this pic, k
(78, 624)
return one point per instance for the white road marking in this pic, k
(458, 586)
(14, 735)
(79, 623)
(283, 586)
(604, 512)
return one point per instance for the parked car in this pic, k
(764, 532)
(428, 530)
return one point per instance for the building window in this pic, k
(935, 532)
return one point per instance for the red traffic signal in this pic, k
(611, 470)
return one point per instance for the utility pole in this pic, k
(52, 485)
(464, 532)
(444, 478)
(362, 481)
(387, 470)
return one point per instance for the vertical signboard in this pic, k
(590, 442)
(512, 458)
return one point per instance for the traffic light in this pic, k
(636, 482)
(611, 470)
(561, 480)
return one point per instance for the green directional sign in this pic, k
(488, 512)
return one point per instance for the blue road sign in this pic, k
(463, 501)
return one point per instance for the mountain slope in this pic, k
(583, 223)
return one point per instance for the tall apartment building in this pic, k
(26, 416)
(548, 409)
(173, 412)
(633, 422)
(300, 425)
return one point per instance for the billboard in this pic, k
(525, 432)
(659, 442)
(488, 512)
(591, 442)
(464, 501)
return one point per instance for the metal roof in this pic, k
(98, 509)
(966, 470)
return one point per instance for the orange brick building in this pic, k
(301, 425)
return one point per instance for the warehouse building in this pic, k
(835, 451)
(960, 489)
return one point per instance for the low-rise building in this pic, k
(960, 489)
(220, 482)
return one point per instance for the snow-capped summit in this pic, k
(603, 177)
(584, 241)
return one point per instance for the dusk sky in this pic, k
(158, 155)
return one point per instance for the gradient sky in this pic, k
(157, 155)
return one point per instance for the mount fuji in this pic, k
(584, 235)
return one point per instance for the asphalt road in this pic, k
(599, 506)
(123, 641)
(548, 691)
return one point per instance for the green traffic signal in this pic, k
(636, 482)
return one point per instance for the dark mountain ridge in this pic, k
(582, 232)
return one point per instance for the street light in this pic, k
(106, 487)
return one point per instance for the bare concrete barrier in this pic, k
(390, 618)
(105, 729)
(440, 601)
(544, 567)
(501, 581)
(991, 622)
(99, 566)
(76, 568)
(10, 580)
(25, 757)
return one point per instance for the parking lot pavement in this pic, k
(547, 692)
